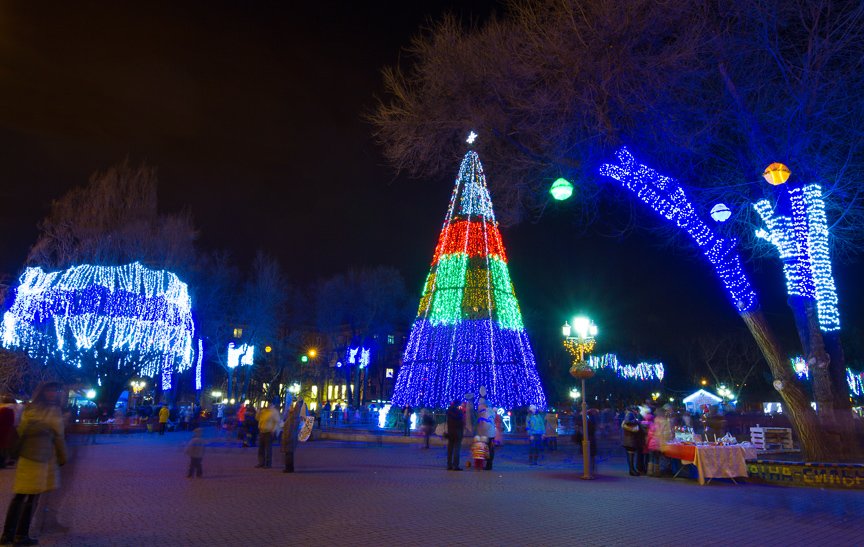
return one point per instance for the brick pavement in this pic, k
(133, 491)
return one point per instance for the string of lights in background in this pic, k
(113, 316)
(855, 380)
(469, 330)
(642, 371)
(666, 197)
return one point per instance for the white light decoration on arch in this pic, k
(642, 371)
(131, 313)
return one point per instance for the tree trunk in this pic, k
(804, 312)
(108, 393)
(349, 385)
(826, 362)
(815, 444)
(842, 403)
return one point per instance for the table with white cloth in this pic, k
(722, 462)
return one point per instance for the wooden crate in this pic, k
(771, 438)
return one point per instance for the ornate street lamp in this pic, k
(579, 343)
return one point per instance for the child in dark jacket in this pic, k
(195, 451)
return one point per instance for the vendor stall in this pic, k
(713, 461)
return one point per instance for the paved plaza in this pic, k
(132, 490)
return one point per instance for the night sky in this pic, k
(253, 114)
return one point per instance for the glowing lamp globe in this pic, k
(721, 212)
(776, 174)
(561, 189)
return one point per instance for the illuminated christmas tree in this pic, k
(468, 332)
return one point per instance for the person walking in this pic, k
(536, 427)
(551, 432)
(293, 422)
(268, 419)
(455, 431)
(406, 420)
(325, 414)
(632, 440)
(250, 424)
(163, 419)
(195, 451)
(42, 451)
(428, 426)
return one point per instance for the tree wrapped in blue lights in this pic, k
(109, 323)
(665, 196)
(797, 227)
(469, 332)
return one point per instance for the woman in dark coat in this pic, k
(632, 439)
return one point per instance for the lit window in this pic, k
(391, 339)
(238, 332)
(389, 373)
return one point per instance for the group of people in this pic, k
(645, 431)
(268, 423)
(488, 428)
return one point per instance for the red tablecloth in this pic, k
(680, 451)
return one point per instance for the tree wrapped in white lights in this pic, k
(109, 323)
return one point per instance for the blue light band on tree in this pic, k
(666, 197)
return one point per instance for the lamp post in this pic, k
(579, 343)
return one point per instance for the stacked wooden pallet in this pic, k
(771, 438)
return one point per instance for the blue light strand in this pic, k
(119, 309)
(642, 371)
(820, 259)
(779, 231)
(198, 372)
(666, 197)
(166, 374)
(802, 244)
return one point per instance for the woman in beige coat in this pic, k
(41, 450)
